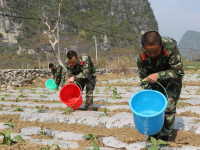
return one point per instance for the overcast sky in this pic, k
(175, 17)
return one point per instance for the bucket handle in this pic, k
(144, 80)
(78, 84)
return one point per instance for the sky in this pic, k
(175, 17)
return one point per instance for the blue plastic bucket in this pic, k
(51, 84)
(148, 107)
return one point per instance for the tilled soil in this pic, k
(126, 135)
(188, 114)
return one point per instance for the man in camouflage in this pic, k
(59, 74)
(81, 70)
(159, 60)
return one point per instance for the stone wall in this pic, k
(21, 77)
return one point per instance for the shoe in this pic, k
(156, 136)
(164, 138)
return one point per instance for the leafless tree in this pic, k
(52, 31)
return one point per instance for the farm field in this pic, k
(40, 118)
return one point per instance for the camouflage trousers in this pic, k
(58, 82)
(173, 89)
(90, 85)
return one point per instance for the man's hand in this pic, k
(51, 77)
(71, 80)
(152, 78)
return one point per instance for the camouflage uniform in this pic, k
(84, 73)
(59, 74)
(169, 67)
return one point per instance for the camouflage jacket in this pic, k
(169, 65)
(59, 73)
(83, 70)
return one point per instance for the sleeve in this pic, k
(63, 74)
(176, 66)
(143, 71)
(86, 70)
(69, 70)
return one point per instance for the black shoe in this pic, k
(156, 136)
(165, 138)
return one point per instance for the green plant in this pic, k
(22, 95)
(109, 86)
(17, 108)
(17, 99)
(128, 90)
(105, 111)
(68, 110)
(97, 91)
(41, 95)
(155, 143)
(37, 101)
(42, 131)
(9, 124)
(1, 108)
(48, 148)
(7, 137)
(3, 98)
(39, 109)
(92, 137)
(115, 94)
(33, 90)
(105, 101)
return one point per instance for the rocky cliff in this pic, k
(191, 39)
(115, 23)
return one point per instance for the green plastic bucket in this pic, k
(51, 84)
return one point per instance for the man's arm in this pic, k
(176, 67)
(63, 74)
(86, 70)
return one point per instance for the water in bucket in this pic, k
(148, 107)
(51, 84)
(70, 95)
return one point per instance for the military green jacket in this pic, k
(59, 73)
(168, 66)
(83, 70)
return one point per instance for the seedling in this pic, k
(4, 98)
(105, 101)
(48, 148)
(37, 101)
(115, 94)
(22, 95)
(9, 124)
(42, 131)
(155, 143)
(105, 111)
(97, 91)
(107, 81)
(17, 108)
(109, 86)
(33, 90)
(1, 108)
(17, 99)
(41, 95)
(21, 91)
(39, 109)
(68, 110)
(119, 81)
(128, 90)
(7, 137)
(91, 136)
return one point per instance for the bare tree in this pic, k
(52, 31)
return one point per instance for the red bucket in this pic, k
(70, 95)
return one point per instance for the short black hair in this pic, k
(151, 38)
(71, 54)
(51, 65)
